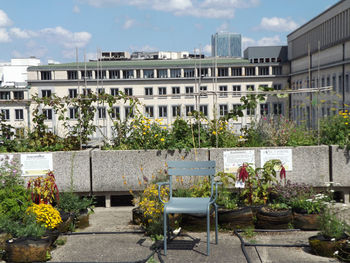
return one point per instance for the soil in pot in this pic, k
(324, 247)
(306, 221)
(273, 219)
(67, 221)
(236, 218)
(27, 250)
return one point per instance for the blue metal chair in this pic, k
(186, 205)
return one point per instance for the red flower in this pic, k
(243, 174)
(283, 172)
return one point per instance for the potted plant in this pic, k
(274, 216)
(334, 234)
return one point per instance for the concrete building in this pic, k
(319, 53)
(166, 88)
(14, 92)
(224, 44)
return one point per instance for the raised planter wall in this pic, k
(341, 170)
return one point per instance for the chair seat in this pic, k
(187, 205)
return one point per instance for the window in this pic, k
(18, 95)
(114, 91)
(149, 91)
(264, 109)
(223, 90)
(223, 109)
(236, 90)
(235, 107)
(86, 91)
(100, 91)
(128, 91)
(322, 82)
(222, 72)
(176, 90)
(5, 95)
(149, 111)
(277, 70)
(45, 93)
(203, 89)
(162, 111)
(48, 114)
(250, 111)
(114, 74)
(263, 71)
(162, 91)
(73, 113)
(203, 72)
(86, 74)
(162, 73)
(101, 112)
(250, 71)
(45, 75)
(250, 87)
(19, 114)
(277, 86)
(73, 93)
(5, 114)
(176, 110)
(100, 74)
(189, 110)
(175, 73)
(203, 109)
(340, 86)
(19, 132)
(128, 74)
(148, 73)
(277, 108)
(115, 113)
(188, 72)
(128, 112)
(334, 81)
(72, 74)
(236, 71)
(189, 91)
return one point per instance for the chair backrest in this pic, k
(190, 168)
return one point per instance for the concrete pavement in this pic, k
(111, 238)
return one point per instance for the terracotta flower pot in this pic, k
(273, 219)
(27, 250)
(236, 218)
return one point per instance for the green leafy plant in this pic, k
(10, 173)
(44, 189)
(72, 203)
(331, 226)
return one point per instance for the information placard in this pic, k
(234, 159)
(36, 164)
(285, 155)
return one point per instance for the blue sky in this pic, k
(53, 29)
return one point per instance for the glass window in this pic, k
(223, 110)
(101, 112)
(236, 90)
(148, 91)
(162, 73)
(203, 89)
(176, 110)
(45, 93)
(162, 111)
(73, 113)
(189, 90)
(222, 90)
(86, 74)
(115, 113)
(277, 108)
(162, 91)
(18, 95)
(5, 114)
(148, 73)
(128, 91)
(175, 73)
(128, 112)
(45, 75)
(204, 109)
(250, 87)
(5, 95)
(114, 74)
(114, 91)
(100, 74)
(188, 72)
(73, 93)
(176, 91)
(19, 114)
(264, 109)
(72, 74)
(48, 114)
(149, 111)
(189, 110)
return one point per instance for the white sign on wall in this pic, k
(36, 164)
(285, 155)
(234, 159)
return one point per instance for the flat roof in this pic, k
(141, 64)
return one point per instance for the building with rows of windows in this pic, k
(166, 88)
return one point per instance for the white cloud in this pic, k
(19, 33)
(223, 27)
(65, 37)
(196, 8)
(129, 23)
(91, 56)
(207, 49)
(76, 9)
(4, 19)
(265, 41)
(4, 36)
(277, 24)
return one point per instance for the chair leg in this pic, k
(208, 231)
(165, 231)
(216, 224)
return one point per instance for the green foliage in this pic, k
(336, 130)
(72, 203)
(331, 226)
(278, 206)
(10, 173)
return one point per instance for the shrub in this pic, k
(72, 203)
(44, 189)
(336, 130)
(10, 173)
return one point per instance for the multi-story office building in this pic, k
(319, 53)
(14, 92)
(224, 44)
(166, 88)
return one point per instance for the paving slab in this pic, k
(111, 238)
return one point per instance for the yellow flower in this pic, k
(346, 123)
(214, 132)
(144, 133)
(162, 139)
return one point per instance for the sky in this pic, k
(58, 30)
